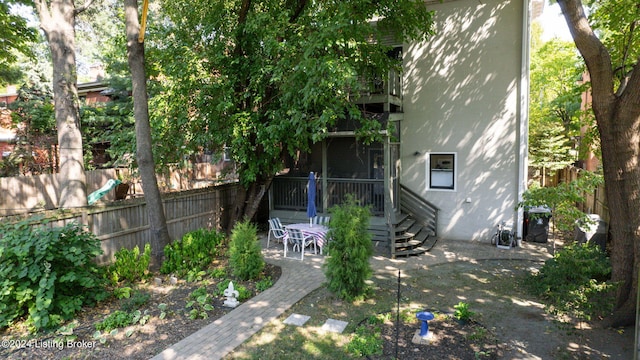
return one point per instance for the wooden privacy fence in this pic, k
(126, 224)
(596, 202)
(24, 194)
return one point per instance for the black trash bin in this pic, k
(594, 231)
(536, 227)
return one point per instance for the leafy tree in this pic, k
(555, 98)
(32, 117)
(15, 36)
(268, 78)
(609, 42)
(144, 155)
(57, 20)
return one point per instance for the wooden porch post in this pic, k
(325, 190)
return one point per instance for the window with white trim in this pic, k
(441, 171)
(226, 154)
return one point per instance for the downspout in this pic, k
(523, 132)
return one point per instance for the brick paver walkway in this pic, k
(300, 278)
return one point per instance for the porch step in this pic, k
(415, 251)
(411, 237)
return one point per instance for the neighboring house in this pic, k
(7, 134)
(205, 166)
(456, 165)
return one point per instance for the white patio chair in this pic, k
(300, 241)
(278, 231)
(321, 220)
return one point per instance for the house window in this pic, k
(441, 171)
(226, 154)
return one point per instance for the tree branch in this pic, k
(82, 8)
(595, 54)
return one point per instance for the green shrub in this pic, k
(47, 274)
(366, 342)
(462, 312)
(245, 252)
(195, 251)
(199, 303)
(117, 319)
(347, 265)
(130, 265)
(264, 284)
(135, 301)
(575, 282)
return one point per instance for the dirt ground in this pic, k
(517, 325)
(508, 323)
(139, 341)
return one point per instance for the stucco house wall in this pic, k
(466, 93)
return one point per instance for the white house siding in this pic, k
(463, 95)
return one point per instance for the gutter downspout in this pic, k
(523, 131)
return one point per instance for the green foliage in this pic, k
(199, 303)
(297, 69)
(243, 293)
(135, 301)
(616, 23)
(15, 34)
(575, 282)
(264, 284)
(462, 312)
(130, 265)
(47, 274)
(117, 319)
(562, 199)
(347, 266)
(32, 116)
(195, 251)
(218, 273)
(555, 99)
(122, 292)
(245, 253)
(365, 342)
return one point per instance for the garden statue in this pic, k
(231, 295)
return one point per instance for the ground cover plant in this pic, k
(575, 282)
(146, 311)
(47, 274)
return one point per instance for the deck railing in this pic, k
(389, 84)
(290, 193)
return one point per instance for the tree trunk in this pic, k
(618, 118)
(135, 53)
(248, 201)
(58, 23)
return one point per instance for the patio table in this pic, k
(318, 232)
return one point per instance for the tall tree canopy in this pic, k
(609, 42)
(266, 78)
(15, 36)
(554, 109)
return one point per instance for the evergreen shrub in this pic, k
(347, 266)
(47, 274)
(245, 253)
